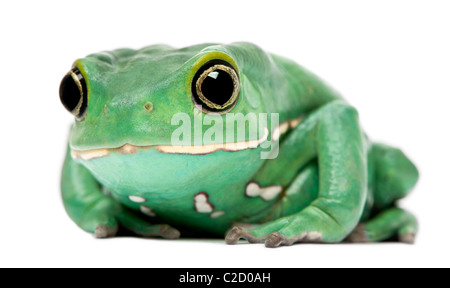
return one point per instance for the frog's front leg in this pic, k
(97, 213)
(332, 136)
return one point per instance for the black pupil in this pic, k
(71, 95)
(218, 87)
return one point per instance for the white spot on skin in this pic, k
(147, 211)
(266, 193)
(217, 214)
(201, 203)
(137, 199)
(313, 236)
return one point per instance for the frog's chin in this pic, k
(172, 149)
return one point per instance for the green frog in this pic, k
(142, 158)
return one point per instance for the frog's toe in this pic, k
(257, 233)
(105, 231)
(138, 225)
(358, 235)
(271, 235)
(163, 230)
(408, 238)
(168, 232)
(240, 232)
(233, 235)
(276, 239)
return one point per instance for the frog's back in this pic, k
(284, 86)
(309, 90)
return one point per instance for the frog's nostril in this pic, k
(149, 106)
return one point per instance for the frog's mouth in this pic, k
(189, 150)
(173, 149)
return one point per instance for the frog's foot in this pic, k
(408, 238)
(132, 222)
(272, 234)
(106, 231)
(242, 232)
(387, 224)
(358, 235)
(163, 230)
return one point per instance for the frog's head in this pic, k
(126, 99)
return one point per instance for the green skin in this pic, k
(331, 177)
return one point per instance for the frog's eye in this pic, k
(216, 85)
(73, 93)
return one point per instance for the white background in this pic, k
(390, 59)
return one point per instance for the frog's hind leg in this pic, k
(395, 175)
(386, 225)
